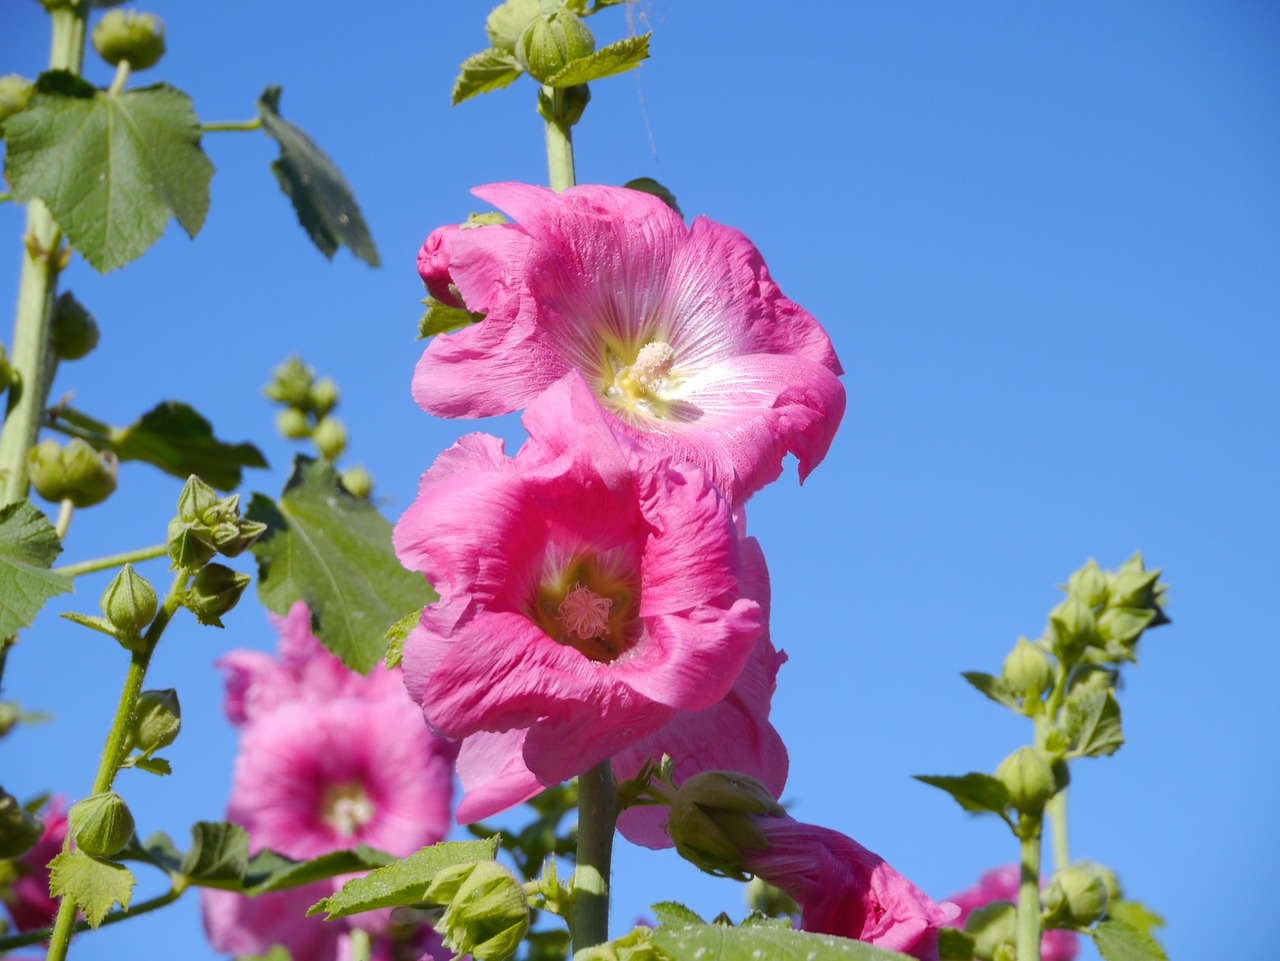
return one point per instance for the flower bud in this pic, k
(156, 721)
(1073, 627)
(330, 438)
(324, 396)
(19, 829)
(130, 35)
(73, 331)
(293, 423)
(992, 925)
(195, 499)
(551, 41)
(242, 534)
(189, 545)
(1124, 625)
(77, 472)
(1028, 775)
(129, 602)
(1134, 585)
(505, 23)
(486, 911)
(770, 901)
(1027, 670)
(215, 590)
(291, 384)
(358, 481)
(712, 819)
(1107, 877)
(15, 91)
(1076, 897)
(1089, 585)
(101, 824)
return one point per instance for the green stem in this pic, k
(559, 144)
(597, 814)
(1057, 811)
(5, 196)
(142, 907)
(120, 78)
(361, 944)
(216, 127)
(114, 560)
(1028, 941)
(63, 525)
(117, 742)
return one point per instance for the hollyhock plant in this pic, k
(679, 331)
(1001, 884)
(589, 590)
(27, 898)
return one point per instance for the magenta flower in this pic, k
(679, 331)
(1001, 884)
(589, 590)
(27, 897)
(845, 890)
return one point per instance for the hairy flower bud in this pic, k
(101, 824)
(73, 330)
(330, 438)
(129, 602)
(156, 721)
(195, 499)
(188, 545)
(551, 41)
(324, 396)
(1076, 897)
(19, 829)
(293, 423)
(15, 91)
(992, 925)
(215, 590)
(1027, 670)
(1029, 777)
(486, 911)
(712, 818)
(77, 472)
(130, 35)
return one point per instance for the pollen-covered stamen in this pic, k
(585, 613)
(652, 364)
(346, 808)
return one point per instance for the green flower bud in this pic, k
(506, 22)
(713, 817)
(330, 438)
(19, 829)
(130, 35)
(196, 499)
(1108, 878)
(1076, 897)
(15, 91)
(1028, 775)
(1134, 585)
(215, 590)
(293, 423)
(324, 396)
(1027, 670)
(1124, 625)
(551, 41)
(129, 602)
(1089, 585)
(486, 911)
(291, 384)
(770, 901)
(156, 721)
(1073, 628)
(10, 715)
(358, 481)
(101, 824)
(77, 472)
(992, 925)
(73, 330)
(244, 533)
(190, 545)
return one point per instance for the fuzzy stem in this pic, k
(114, 560)
(597, 814)
(559, 144)
(142, 907)
(231, 125)
(1028, 941)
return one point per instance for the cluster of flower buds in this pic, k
(1106, 612)
(130, 36)
(486, 910)
(308, 412)
(208, 525)
(77, 472)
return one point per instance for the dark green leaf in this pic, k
(95, 885)
(954, 945)
(179, 441)
(650, 186)
(993, 687)
(396, 635)
(606, 62)
(112, 168)
(333, 550)
(485, 72)
(673, 912)
(1093, 721)
(219, 854)
(326, 207)
(402, 882)
(441, 318)
(1118, 941)
(269, 871)
(716, 942)
(28, 546)
(973, 792)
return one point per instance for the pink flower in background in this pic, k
(679, 331)
(1001, 884)
(589, 590)
(846, 890)
(27, 898)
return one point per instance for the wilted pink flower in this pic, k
(1001, 884)
(27, 897)
(845, 890)
(679, 331)
(589, 590)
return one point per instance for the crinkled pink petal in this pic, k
(1001, 884)
(493, 774)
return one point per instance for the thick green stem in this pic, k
(559, 143)
(1057, 811)
(114, 560)
(142, 907)
(597, 814)
(1028, 942)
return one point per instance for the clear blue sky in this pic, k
(1045, 240)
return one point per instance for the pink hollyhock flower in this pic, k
(846, 890)
(1001, 884)
(679, 331)
(589, 590)
(27, 898)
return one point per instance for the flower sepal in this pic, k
(486, 910)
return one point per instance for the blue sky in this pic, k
(1045, 241)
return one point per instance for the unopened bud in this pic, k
(713, 818)
(156, 721)
(129, 602)
(15, 91)
(293, 423)
(551, 41)
(19, 829)
(1073, 627)
(189, 545)
(358, 481)
(101, 824)
(1076, 897)
(237, 537)
(1028, 776)
(330, 438)
(992, 925)
(1027, 670)
(195, 499)
(77, 472)
(1089, 585)
(129, 35)
(215, 590)
(486, 910)
(291, 384)
(1108, 878)
(324, 396)
(505, 23)
(73, 331)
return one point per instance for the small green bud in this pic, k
(1089, 585)
(15, 91)
(506, 22)
(215, 590)
(195, 499)
(553, 40)
(330, 438)
(19, 829)
(190, 545)
(486, 911)
(770, 901)
(235, 544)
(1028, 775)
(77, 472)
(293, 423)
(291, 384)
(73, 330)
(1108, 878)
(713, 818)
(992, 925)
(358, 481)
(1076, 897)
(1124, 625)
(130, 35)
(156, 721)
(1073, 628)
(1027, 670)
(324, 396)
(129, 602)
(1134, 585)
(101, 824)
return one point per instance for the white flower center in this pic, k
(652, 365)
(347, 808)
(585, 613)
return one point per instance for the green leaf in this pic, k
(396, 635)
(955, 945)
(993, 687)
(716, 942)
(650, 186)
(441, 318)
(269, 871)
(95, 885)
(152, 765)
(1136, 915)
(402, 882)
(112, 168)
(219, 854)
(485, 72)
(94, 623)
(978, 793)
(333, 550)
(673, 912)
(326, 207)
(1118, 941)
(180, 441)
(158, 850)
(28, 547)
(1093, 722)
(606, 62)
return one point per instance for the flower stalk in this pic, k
(597, 814)
(1028, 940)
(113, 560)
(559, 142)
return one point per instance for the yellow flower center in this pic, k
(643, 385)
(346, 808)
